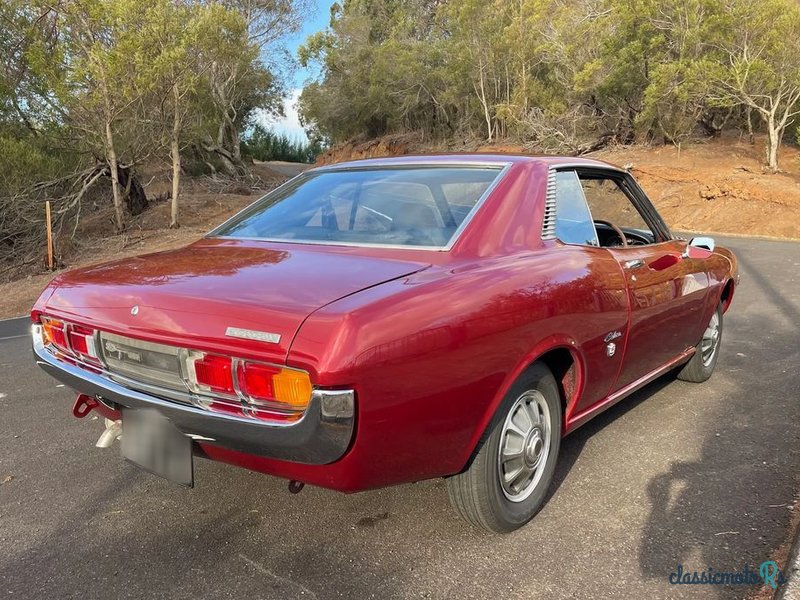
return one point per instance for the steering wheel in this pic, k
(616, 229)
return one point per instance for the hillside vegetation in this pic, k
(93, 93)
(566, 76)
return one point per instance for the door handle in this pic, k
(634, 264)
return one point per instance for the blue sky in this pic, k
(316, 20)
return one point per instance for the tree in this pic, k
(172, 57)
(762, 68)
(78, 62)
(241, 81)
(95, 29)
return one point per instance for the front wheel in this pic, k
(507, 482)
(701, 365)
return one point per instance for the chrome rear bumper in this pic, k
(320, 436)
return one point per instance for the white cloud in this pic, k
(290, 123)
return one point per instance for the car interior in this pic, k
(413, 207)
(615, 217)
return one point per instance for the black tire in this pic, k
(477, 493)
(700, 368)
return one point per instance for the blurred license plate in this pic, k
(151, 442)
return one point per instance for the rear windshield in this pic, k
(408, 206)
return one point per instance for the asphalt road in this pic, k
(681, 473)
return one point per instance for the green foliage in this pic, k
(263, 144)
(547, 69)
(89, 89)
(23, 163)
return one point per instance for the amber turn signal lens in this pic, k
(54, 333)
(292, 388)
(271, 385)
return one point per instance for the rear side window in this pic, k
(574, 223)
(406, 206)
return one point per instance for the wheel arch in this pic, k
(561, 356)
(727, 295)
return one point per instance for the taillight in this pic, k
(220, 383)
(272, 386)
(54, 333)
(213, 373)
(236, 384)
(81, 341)
(71, 341)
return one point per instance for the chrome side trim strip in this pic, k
(582, 417)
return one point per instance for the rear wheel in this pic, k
(701, 365)
(507, 482)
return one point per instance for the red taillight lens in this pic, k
(81, 340)
(256, 381)
(214, 373)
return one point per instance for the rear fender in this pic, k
(572, 391)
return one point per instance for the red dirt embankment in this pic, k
(717, 186)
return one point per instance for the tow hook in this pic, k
(83, 405)
(295, 487)
(112, 433)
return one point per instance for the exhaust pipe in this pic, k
(112, 433)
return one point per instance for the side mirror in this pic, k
(706, 243)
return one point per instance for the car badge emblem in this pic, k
(250, 334)
(135, 310)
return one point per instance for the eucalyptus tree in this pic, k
(761, 68)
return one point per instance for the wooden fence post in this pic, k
(49, 236)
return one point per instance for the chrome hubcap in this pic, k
(710, 341)
(524, 446)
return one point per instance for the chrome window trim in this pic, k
(502, 166)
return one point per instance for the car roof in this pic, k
(470, 159)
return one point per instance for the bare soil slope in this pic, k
(716, 186)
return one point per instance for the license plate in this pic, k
(154, 444)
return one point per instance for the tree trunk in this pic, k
(773, 142)
(236, 146)
(750, 136)
(482, 97)
(111, 156)
(135, 198)
(175, 152)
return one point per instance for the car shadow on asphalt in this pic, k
(729, 508)
(573, 444)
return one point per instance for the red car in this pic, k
(393, 320)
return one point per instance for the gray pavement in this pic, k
(698, 475)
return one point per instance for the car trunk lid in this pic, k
(215, 295)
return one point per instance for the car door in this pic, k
(602, 331)
(666, 289)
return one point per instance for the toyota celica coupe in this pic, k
(392, 320)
